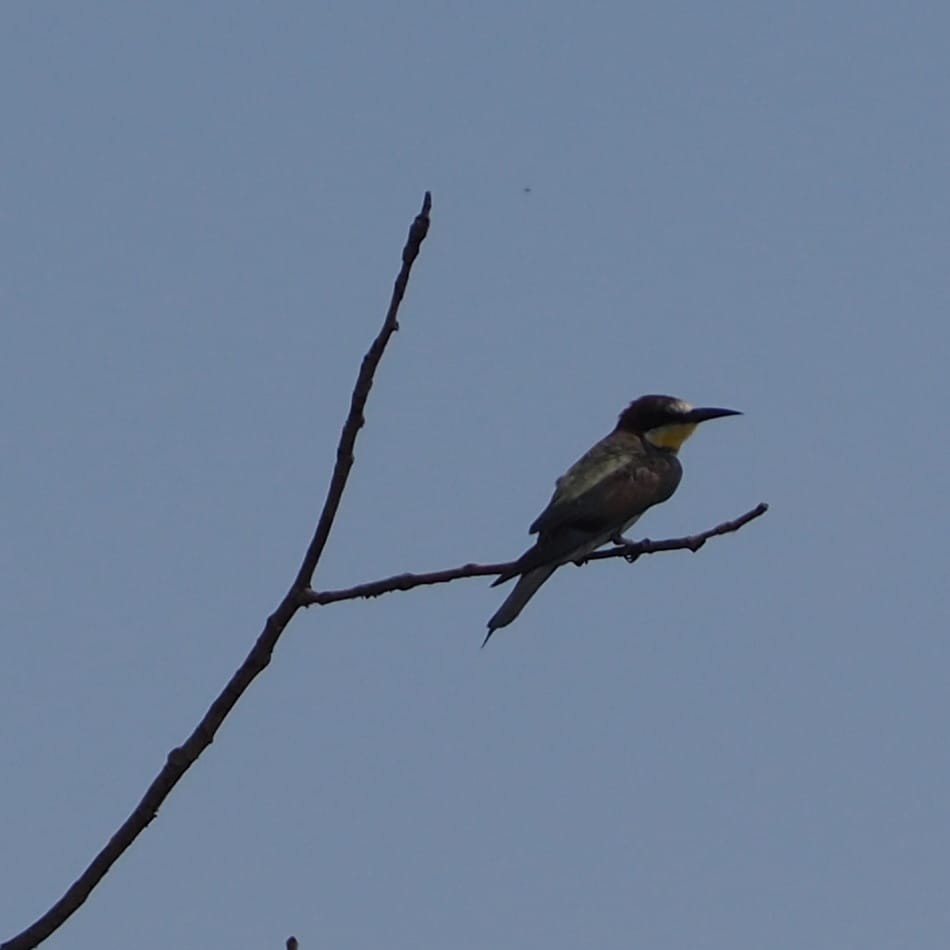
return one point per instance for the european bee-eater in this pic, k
(602, 494)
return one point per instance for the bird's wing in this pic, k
(606, 458)
(621, 492)
(572, 521)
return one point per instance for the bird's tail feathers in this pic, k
(525, 564)
(515, 602)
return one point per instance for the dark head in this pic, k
(665, 421)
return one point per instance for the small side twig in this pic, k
(628, 551)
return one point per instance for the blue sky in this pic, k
(201, 213)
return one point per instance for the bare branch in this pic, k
(182, 758)
(628, 551)
(364, 382)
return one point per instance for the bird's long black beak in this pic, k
(705, 414)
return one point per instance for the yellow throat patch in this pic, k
(670, 436)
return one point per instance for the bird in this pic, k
(604, 492)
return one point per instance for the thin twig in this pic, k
(182, 758)
(364, 382)
(629, 551)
